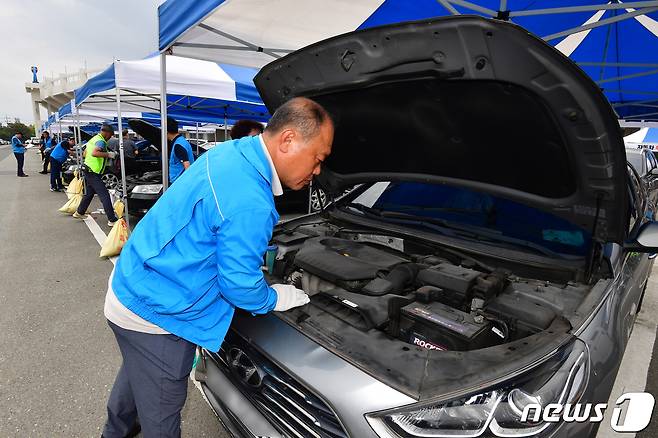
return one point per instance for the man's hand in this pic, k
(288, 296)
(112, 155)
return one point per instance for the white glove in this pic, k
(288, 296)
(112, 155)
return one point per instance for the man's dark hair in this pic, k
(107, 128)
(124, 132)
(243, 127)
(301, 113)
(172, 126)
(46, 132)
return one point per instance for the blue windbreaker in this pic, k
(47, 144)
(17, 145)
(59, 153)
(175, 166)
(197, 253)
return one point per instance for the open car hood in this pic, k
(147, 131)
(469, 102)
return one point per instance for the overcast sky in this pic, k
(62, 34)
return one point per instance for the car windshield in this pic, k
(636, 161)
(465, 213)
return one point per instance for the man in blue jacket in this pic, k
(46, 145)
(181, 156)
(18, 148)
(196, 256)
(58, 156)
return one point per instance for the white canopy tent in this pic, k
(199, 89)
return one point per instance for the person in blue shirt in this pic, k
(46, 145)
(196, 256)
(180, 157)
(58, 156)
(18, 148)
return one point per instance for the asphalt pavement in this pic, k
(58, 358)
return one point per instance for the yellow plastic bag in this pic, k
(74, 188)
(115, 239)
(72, 204)
(119, 208)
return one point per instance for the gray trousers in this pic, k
(151, 384)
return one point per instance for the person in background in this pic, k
(245, 127)
(58, 156)
(96, 154)
(18, 148)
(181, 157)
(46, 145)
(128, 145)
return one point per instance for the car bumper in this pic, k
(139, 204)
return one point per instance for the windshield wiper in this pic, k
(446, 227)
(434, 225)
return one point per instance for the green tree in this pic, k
(12, 128)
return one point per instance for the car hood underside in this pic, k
(464, 101)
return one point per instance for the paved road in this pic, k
(58, 357)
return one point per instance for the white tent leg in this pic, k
(197, 139)
(78, 152)
(124, 194)
(163, 121)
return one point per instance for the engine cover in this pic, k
(335, 259)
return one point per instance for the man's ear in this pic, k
(285, 140)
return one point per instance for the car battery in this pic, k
(435, 326)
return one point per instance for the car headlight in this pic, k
(148, 189)
(561, 379)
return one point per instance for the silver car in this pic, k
(491, 259)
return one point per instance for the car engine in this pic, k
(390, 285)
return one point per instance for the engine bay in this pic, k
(403, 290)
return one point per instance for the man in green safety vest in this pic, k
(96, 155)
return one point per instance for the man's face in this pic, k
(106, 135)
(19, 135)
(299, 159)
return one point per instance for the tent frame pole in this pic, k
(122, 161)
(197, 139)
(571, 9)
(163, 121)
(78, 152)
(634, 75)
(599, 23)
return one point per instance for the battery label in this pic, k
(421, 342)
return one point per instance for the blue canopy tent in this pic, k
(615, 43)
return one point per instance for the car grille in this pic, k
(292, 408)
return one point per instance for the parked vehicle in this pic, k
(145, 162)
(646, 165)
(464, 279)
